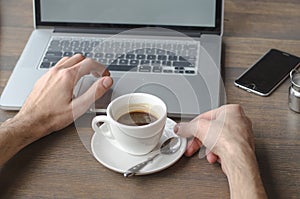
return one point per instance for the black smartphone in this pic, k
(268, 72)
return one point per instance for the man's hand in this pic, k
(51, 105)
(222, 130)
(227, 134)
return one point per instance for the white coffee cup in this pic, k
(135, 140)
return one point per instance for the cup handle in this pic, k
(105, 119)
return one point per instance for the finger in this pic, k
(181, 125)
(88, 66)
(210, 115)
(193, 146)
(83, 102)
(211, 157)
(71, 61)
(96, 74)
(62, 60)
(197, 128)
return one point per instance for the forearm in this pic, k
(244, 177)
(15, 134)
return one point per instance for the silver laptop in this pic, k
(171, 49)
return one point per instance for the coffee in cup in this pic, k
(137, 118)
(135, 122)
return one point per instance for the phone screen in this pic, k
(268, 72)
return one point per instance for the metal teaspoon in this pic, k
(168, 147)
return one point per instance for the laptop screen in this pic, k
(197, 15)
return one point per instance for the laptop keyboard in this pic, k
(134, 55)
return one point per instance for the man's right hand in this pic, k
(227, 134)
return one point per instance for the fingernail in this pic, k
(107, 82)
(176, 128)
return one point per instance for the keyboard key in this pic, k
(167, 46)
(120, 56)
(179, 71)
(123, 61)
(157, 69)
(166, 63)
(67, 48)
(140, 56)
(102, 61)
(150, 51)
(68, 54)
(156, 63)
(85, 44)
(173, 58)
(122, 68)
(78, 52)
(181, 63)
(139, 51)
(168, 71)
(45, 65)
(192, 46)
(147, 45)
(109, 50)
(54, 48)
(190, 72)
(114, 62)
(192, 53)
(88, 54)
(134, 62)
(184, 58)
(162, 57)
(160, 52)
(145, 62)
(75, 43)
(179, 68)
(109, 55)
(51, 59)
(151, 57)
(53, 54)
(171, 53)
(54, 43)
(99, 55)
(79, 49)
(145, 69)
(65, 43)
(110, 61)
(95, 43)
(88, 49)
(130, 56)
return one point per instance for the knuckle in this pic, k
(88, 60)
(79, 55)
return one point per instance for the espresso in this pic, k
(137, 118)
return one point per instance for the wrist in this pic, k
(25, 128)
(243, 174)
(15, 134)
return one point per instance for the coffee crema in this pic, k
(137, 118)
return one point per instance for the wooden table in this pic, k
(59, 166)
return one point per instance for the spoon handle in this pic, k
(133, 170)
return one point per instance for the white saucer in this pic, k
(117, 160)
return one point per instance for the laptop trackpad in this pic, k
(129, 85)
(162, 92)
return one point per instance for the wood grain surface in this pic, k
(59, 165)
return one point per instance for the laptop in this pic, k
(171, 49)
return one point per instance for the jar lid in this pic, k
(295, 77)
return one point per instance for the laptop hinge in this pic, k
(139, 31)
(86, 30)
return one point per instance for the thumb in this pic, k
(197, 128)
(83, 102)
